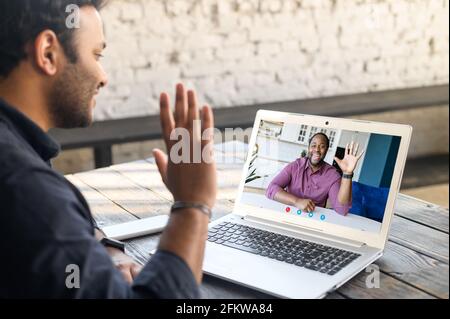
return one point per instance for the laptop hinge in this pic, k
(313, 232)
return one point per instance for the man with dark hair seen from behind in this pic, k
(49, 76)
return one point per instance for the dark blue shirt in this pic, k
(46, 227)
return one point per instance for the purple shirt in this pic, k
(298, 179)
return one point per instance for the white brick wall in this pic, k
(237, 52)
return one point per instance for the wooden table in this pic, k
(415, 263)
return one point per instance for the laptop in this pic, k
(285, 251)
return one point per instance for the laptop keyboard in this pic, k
(302, 253)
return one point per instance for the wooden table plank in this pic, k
(390, 288)
(425, 240)
(422, 212)
(105, 211)
(145, 174)
(418, 270)
(138, 201)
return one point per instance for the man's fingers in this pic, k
(312, 205)
(193, 112)
(161, 162)
(338, 161)
(207, 118)
(356, 148)
(125, 270)
(309, 206)
(207, 125)
(135, 270)
(347, 149)
(166, 118)
(180, 106)
(194, 126)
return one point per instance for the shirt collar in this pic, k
(45, 146)
(308, 167)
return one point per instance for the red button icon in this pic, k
(288, 209)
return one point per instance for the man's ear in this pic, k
(47, 52)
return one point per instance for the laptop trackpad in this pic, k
(271, 276)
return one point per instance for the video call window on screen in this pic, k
(283, 148)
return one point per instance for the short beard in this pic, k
(318, 164)
(70, 98)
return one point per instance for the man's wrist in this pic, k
(347, 175)
(112, 251)
(199, 207)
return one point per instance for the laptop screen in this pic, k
(331, 175)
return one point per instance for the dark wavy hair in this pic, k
(21, 21)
